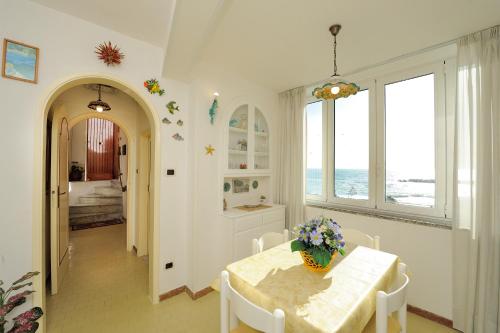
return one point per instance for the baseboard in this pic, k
(194, 295)
(431, 316)
(172, 293)
(199, 293)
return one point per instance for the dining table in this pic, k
(341, 300)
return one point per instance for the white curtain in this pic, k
(289, 186)
(477, 184)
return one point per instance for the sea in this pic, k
(353, 184)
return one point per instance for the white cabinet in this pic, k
(248, 145)
(243, 242)
(247, 226)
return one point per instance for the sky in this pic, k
(409, 130)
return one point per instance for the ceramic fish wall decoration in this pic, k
(213, 109)
(166, 121)
(172, 107)
(178, 137)
(153, 86)
(180, 122)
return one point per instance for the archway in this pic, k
(39, 202)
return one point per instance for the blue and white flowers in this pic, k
(321, 237)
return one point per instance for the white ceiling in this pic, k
(283, 44)
(146, 20)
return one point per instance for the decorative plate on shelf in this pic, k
(255, 184)
(227, 187)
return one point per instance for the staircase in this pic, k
(104, 204)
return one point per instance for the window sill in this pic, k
(440, 223)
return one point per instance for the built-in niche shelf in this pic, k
(248, 142)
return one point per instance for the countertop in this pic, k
(235, 212)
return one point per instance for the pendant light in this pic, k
(99, 105)
(337, 87)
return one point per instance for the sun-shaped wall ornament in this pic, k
(109, 54)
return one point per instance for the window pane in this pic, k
(410, 148)
(314, 137)
(352, 149)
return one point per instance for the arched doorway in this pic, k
(39, 209)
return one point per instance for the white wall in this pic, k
(78, 140)
(426, 250)
(66, 50)
(210, 247)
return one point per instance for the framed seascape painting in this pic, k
(20, 61)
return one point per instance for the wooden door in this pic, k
(59, 212)
(100, 149)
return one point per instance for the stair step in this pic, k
(116, 184)
(93, 212)
(99, 199)
(94, 218)
(98, 209)
(108, 190)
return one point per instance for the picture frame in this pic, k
(20, 61)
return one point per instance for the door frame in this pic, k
(39, 199)
(143, 181)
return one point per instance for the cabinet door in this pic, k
(243, 243)
(276, 226)
(273, 216)
(248, 222)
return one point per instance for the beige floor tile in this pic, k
(105, 291)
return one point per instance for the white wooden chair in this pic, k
(269, 240)
(359, 238)
(387, 304)
(233, 306)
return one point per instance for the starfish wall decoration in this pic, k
(209, 150)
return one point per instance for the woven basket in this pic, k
(313, 266)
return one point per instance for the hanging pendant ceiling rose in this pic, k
(337, 87)
(99, 105)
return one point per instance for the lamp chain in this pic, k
(335, 55)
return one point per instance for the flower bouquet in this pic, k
(319, 240)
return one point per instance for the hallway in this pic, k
(105, 290)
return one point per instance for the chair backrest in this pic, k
(387, 303)
(359, 238)
(234, 306)
(269, 240)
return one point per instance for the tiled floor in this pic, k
(105, 290)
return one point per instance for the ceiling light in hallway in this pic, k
(99, 105)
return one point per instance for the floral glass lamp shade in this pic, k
(337, 87)
(99, 105)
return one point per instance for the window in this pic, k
(314, 150)
(383, 149)
(410, 176)
(351, 146)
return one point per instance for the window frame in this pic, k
(439, 140)
(324, 162)
(375, 81)
(331, 198)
